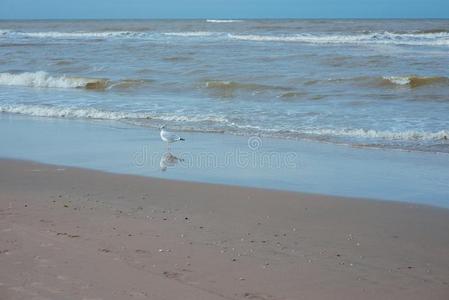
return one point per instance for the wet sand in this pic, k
(68, 233)
(300, 166)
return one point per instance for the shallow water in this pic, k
(324, 168)
(373, 83)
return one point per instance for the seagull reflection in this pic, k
(168, 160)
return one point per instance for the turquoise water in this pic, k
(376, 84)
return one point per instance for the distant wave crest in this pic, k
(435, 37)
(222, 21)
(76, 35)
(429, 39)
(435, 30)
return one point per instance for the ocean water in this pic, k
(378, 83)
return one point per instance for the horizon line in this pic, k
(211, 18)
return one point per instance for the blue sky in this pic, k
(93, 9)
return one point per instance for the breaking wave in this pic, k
(328, 134)
(94, 113)
(414, 81)
(42, 79)
(409, 135)
(64, 112)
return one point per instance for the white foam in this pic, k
(425, 39)
(93, 113)
(431, 39)
(409, 135)
(222, 21)
(190, 118)
(63, 112)
(399, 80)
(42, 79)
(77, 35)
(190, 33)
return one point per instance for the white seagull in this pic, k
(169, 137)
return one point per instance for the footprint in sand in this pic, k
(172, 275)
(142, 251)
(257, 296)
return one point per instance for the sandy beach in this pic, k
(69, 233)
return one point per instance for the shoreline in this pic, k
(70, 232)
(299, 166)
(62, 167)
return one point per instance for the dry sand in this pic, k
(68, 233)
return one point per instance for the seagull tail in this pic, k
(181, 139)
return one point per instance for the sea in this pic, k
(361, 83)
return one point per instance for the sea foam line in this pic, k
(431, 39)
(94, 113)
(408, 135)
(218, 122)
(64, 112)
(411, 38)
(77, 35)
(190, 33)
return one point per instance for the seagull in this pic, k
(169, 137)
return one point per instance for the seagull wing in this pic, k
(170, 137)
